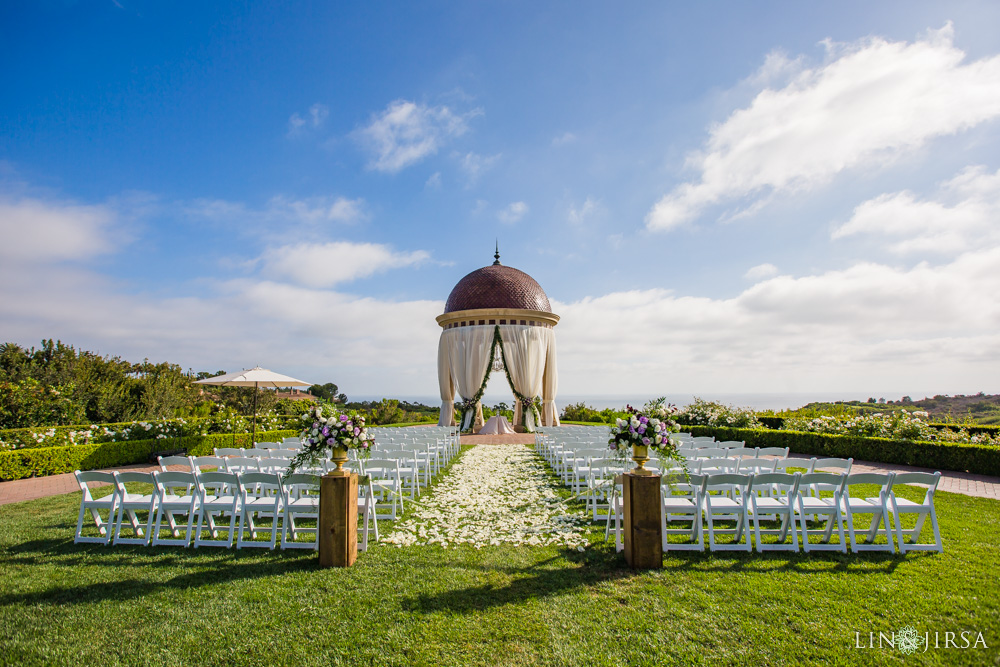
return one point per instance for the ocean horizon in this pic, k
(757, 401)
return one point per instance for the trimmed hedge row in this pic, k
(971, 429)
(967, 457)
(41, 461)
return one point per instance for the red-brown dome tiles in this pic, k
(497, 286)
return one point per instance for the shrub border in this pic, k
(42, 461)
(957, 456)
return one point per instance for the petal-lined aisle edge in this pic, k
(495, 494)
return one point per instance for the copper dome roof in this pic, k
(497, 286)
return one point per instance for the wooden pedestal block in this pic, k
(643, 531)
(338, 520)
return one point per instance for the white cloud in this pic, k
(577, 215)
(866, 326)
(311, 210)
(514, 212)
(563, 139)
(434, 181)
(34, 230)
(407, 132)
(313, 119)
(964, 216)
(328, 264)
(474, 165)
(872, 102)
(761, 271)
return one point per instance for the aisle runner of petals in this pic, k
(495, 494)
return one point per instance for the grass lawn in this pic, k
(62, 603)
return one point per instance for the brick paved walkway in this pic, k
(981, 486)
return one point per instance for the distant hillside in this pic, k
(978, 409)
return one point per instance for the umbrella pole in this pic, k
(253, 438)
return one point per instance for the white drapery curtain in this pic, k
(468, 350)
(524, 348)
(464, 359)
(446, 384)
(550, 385)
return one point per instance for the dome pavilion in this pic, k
(498, 318)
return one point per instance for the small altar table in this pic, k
(496, 425)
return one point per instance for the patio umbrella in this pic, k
(255, 377)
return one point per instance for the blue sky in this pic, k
(718, 198)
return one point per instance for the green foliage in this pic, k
(327, 392)
(975, 458)
(27, 402)
(393, 411)
(41, 461)
(499, 409)
(579, 412)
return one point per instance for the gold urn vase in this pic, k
(339, 457)
(640, 454)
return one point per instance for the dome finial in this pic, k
(497, 255)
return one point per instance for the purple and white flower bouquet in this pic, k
(325, 431)
(650, 427)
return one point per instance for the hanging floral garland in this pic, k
(468, 406)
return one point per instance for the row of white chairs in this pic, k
(793, 500)
(195, 508)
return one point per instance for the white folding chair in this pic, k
(132, 501)
(772, 506)
(95, 506)
(223, 452)
(878, 508)
(718, 505)
(200, 462)
(174, 499)
(387, 485)
(240, 465)
(682, 500)
(260, 496)
(301, 500)
(755, 465)
(810, 503)
(218, 495)
(922, 509)
(366, 509)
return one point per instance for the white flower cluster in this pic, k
(494, 494)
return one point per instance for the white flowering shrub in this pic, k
(710, 413)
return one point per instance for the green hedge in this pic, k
(981, 459)
(41, 461)
(971, 429)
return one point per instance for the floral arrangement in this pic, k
(326, 431)
(650, 427)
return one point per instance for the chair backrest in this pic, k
(272, 465)
(259, 483)
(827, 481)
(880, 479)
(282, 453)
(85, 479)
(782, 465)
(170, 482)
(382, 468)
(755, 465)
(123, 479)
(241, 464)
(928, 480)
(780, 452)
(712, 453)
(718, 466)
(789, 483)
(726, 481)
(228, 451)
(832, 464)
(703, 438)
(299, 484)
(216, 484)
(166, 461)
(199, 462)
(730, 444)
(267, 445)
(742, 453)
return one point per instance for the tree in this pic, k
(328, 392)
